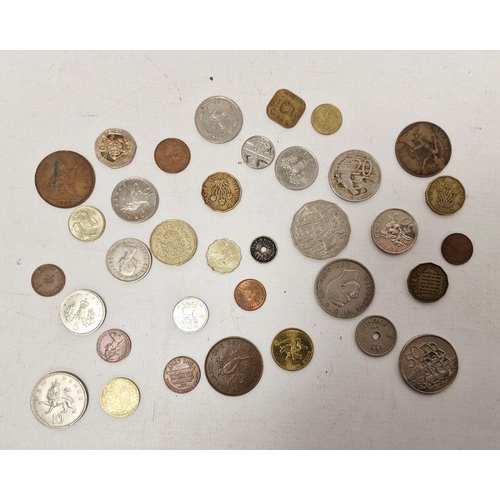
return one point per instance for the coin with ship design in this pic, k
(48, 280)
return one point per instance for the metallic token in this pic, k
(445, 195)
(326, 119)
(182, 374)
(190, 314)
(120, 397)
(115, 148)
(376, 335)
(286, 108)
(128, 260)
(48, 280)
(354, 175)
(221, 191)
(218, 119)
(292, 349)
(113, 345)
(250, 294)
(457, 248)
(83, 312)
(64, 179)
(135, 199)
(428, 364)
(59, 400)
(224, 256)
(427, 282)
(173, 242)
(257, 152)
(394, 231)
(172, 155)
(86, 223)
(296, 168)
(233, 366)
(423, 149)
(263, 249)
(344, 288)
(320, 229)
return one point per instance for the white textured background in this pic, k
(343, 399)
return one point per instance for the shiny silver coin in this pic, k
(376, 335)
(296, 168)
(190, 314)
(82, 312)
(263, 249)
(135, 199)
(394, 231)
(128, 260)
(258, 152)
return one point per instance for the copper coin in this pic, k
(457, 248)
(64, 179)
(250, 294)
(182, 374)
(172, 155)
(427, 282)
(113, 345)
(286, 108)
(48, 280)
(445, 195)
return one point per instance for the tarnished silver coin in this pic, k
(218, 119)
(263, 249)
(82, 312)
(86, 223)
(257, 152)
(320, 229)
(354, 175)
(115, 148)
(190, 314)
(296, 168)
(394, 231)
(376, 335)
(58, 400)
(135, 199)
(128, 260)
(344, 288)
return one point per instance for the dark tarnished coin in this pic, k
(182, 374)
(428, 364)
(250, 294)
(48, 280)
(423, 149)
(64, 179)
(376, 335)
(172, 155)
(233, 366)
(113, 345)
(292, 349)
(445, 195)
(263, 249)
(286, 108)
(457, 248)
(427, 282)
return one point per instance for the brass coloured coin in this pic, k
(326, 119)
(86, 223)
(173, 242)
(292, 349)
(445, 195)
(120, 397)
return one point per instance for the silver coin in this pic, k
(115, 148)
(354, 175)
(376, 335)
(135, 199)
(58, 400)
(83, 312)
(344, 288)
(190, 314)
(218, 119)
(258, 152)
(128, 260)
(394, 231)
(296, 168)
(320, 229)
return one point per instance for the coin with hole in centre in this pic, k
(457, 249)
(263, 249)
(48, 280)
(115, 148)
(172, 155)
(292, 349)
(376, 335)
(250, 294)
(120, 397)
(181, 375)
(427, 282)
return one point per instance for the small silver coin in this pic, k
(263, 249)
(82, 312)
(376, 335)
(296, 168)
(190, 314)
(135, 199)
(258, 152)
(128, 260)
(394, 231)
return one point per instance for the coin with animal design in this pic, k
(286, 108)
(86, 223)
(376, 335)
(224, 256)
(173, 242)
(221, 192)
(428, 282)
(394, 231)
(445, 195)
(457, 249)
(48, 280)
(292, 349)
(120, 397)
(115, 148)
(113, 345)
(296, 168)
(181, 375)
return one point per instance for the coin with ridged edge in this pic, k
(135, 200)
(129, 260)
(83, 312)
(190, 314)
(250, 294)
(394, 231)
(113, 345)
(292, 349)
(120, 397)
(428, 282)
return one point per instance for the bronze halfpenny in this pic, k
(428, 282)
(48, 280)
(113, 345)
(172, 155)
(250, 294)
(457, 248)
(286, 108)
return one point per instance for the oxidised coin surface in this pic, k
(172, 155)
(83, 312)
(173, 242)
(48, 280)
(296, 168)
(128, 260)
(394, 231)
(292, 349)
(190, 314)
(135, 199)
(182, 374)
(445, 195)
(376, 335)
(250, 294)
(326, 119)
(115, 148)
(221, 191)
(257, 152)
(427, 282)
(457, 248)
(223, 256)
(286, 108)
(113, 345)
(120, 397)
(263, 249)
(86, 223)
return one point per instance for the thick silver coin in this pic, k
(135, 199)
(376, 335)
(394, 231)
(128, 260)
(296, 168)
(190, 314)
(258, 152)
(82, 312)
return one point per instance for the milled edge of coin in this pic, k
(126, 414)
(276, 166)
(99, 340)
(53, 294)
(469, 241)
(172, 388)
(103, 311)
(359, 326)
(142, 179)
(299, 367)
(204, 305)
(258, 137)
(100, 232)
(150, 260)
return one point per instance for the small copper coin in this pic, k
(457, 248)
(376, 335)
(445, 195)
(64, 179)
(428, 282)
(286, 108)
(172, 155)
(48, 280)
(292, 349)
(250, 294)
(182, 374)
(113, 345)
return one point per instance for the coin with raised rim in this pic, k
(296, 168)
(128, 260)
(135, 200)
(427, 282)
(394, 231)
(83, 312)
(221, 192)
(172, 155)
(286, 108)
(120, 397)
(263, 249)
(376, 335)
(115, 148)
(113, 345)
(258, 152)
(86, 223)
(292, 349)
(326, 119)
(173, 242)
(48, 280)
(190, 314)
(224, 256)
(445, 195)
(182, 374)
(250, 294)
(457, 249)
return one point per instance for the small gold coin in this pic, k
(292, 349)
(221, 191)
(86, 223)
(223, 256)
(120, 397)
(326, 119)
(445, 195)
(286, 108)
(173, 242)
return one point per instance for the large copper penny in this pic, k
(250, 294)
(233, 366)
(457, 248)
(172, 155)
(427, 282)
(182, 374)
(292, 349)
(48, 280)
(64, 179)
(445, 195)
(286, 108)
(113, 345)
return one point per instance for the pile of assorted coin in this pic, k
(320, 229)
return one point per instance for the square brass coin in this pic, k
(286, 108)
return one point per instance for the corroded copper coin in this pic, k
(48, 280)
(286, 108)
(182, 374)
(292, 349)
(113, 345)
(64, 179)
(172, 155)
(457, 248)
(445, 195)
(250, 294)
(427, 282)
(376, 335)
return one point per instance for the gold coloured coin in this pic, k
(286, 108)
(445, 195)
(292, 349)
(221, 191)
(120, 397)
(173, 242)
(86, 223)
(224, 256)
(326, 119)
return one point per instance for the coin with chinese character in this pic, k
(296, 168)
(128, 260)
(263, 249)
(427, 282)
(394, 231)
(286, 108)
(120, 397)
(224, 256)
(376, 335)
(257, 152)
(48, 280)
(115, 148)
(457, 248)
(292, 349)
(172, 155)
(86, 223)
(221, 192)
(250, 294)
(190, 314)
(182, 374)
(445, 195)
(113, 345)
(82, 312)
(326, 119)
(173, 242)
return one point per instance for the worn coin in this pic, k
(257, 152)
(428, 364)
(173, 242)
(233, 366)
(135, 199)
(120, 397)
(172, 155)
(344, 288)
(64, 179)
(326, 119)
(182, 374)
(115, 148)
(445, 195)
(296, 168)
(59, 399)
(354, 175)
(250, 294)
(86, 223)
(427, 282)
(376, 335)
(218, 119)
(423, 149)
(457, 248)
(292, 349)
(82, 312)
(320, 229)
(113, 345)
(224, 256)
(286, 108)
(128, 260)
(48, 280)
(221, 191)
(394, 231)
(190, 314)
(263, 249)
